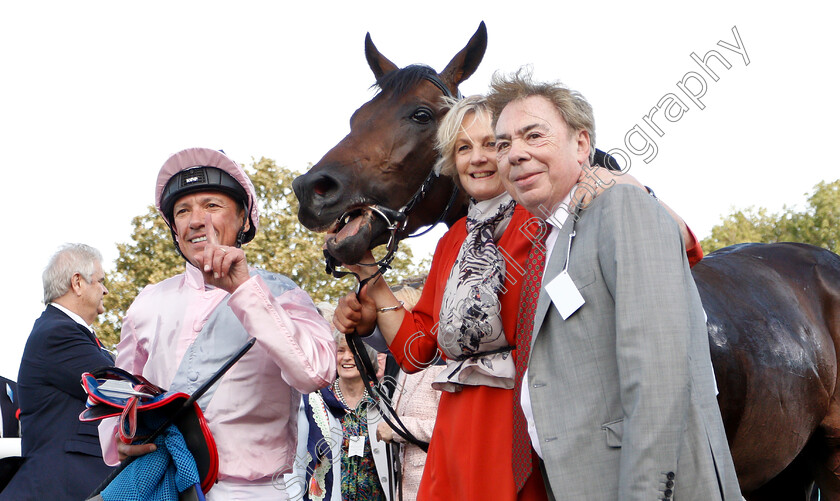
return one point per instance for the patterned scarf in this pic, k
(470, 331)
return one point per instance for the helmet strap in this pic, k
(240, 236)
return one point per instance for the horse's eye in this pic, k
(422, 115)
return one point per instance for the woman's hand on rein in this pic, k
(355, 313)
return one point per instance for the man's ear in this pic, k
(175, 235)
(246, 225)
(583, 146)
(76, 283)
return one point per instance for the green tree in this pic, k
(817, 224)
(281, 245)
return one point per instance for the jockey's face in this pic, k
(189, 217)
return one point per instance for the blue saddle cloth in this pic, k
(157, 476)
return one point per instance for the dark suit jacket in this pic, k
(63, 456)
(8, 408)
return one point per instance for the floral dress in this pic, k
(359, 481)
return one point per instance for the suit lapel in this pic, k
(555, 264)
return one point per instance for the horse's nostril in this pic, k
(324, 186)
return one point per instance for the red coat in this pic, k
(471, 448)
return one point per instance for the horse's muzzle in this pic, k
(321, 196)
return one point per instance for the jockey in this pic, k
(178, 332)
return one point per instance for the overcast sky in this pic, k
(94, 96)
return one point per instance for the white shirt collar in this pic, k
(556, 222)
(563, 211)
(74, 316)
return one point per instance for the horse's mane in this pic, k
(403, 79)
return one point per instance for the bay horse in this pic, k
(773, 309)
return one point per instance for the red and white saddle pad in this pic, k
(145, 409)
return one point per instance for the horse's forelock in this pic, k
(400, 81)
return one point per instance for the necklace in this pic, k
(337, 391)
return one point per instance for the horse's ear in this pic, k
(378, 63)
(464, 64)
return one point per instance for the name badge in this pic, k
(357, 446)
(564, 294)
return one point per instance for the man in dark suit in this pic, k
(63, 459)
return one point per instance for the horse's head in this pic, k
(385, 158)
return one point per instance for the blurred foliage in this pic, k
(818, 224)
(281, 245)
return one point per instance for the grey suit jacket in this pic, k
(622, 391)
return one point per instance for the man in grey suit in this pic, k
(619, 395)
